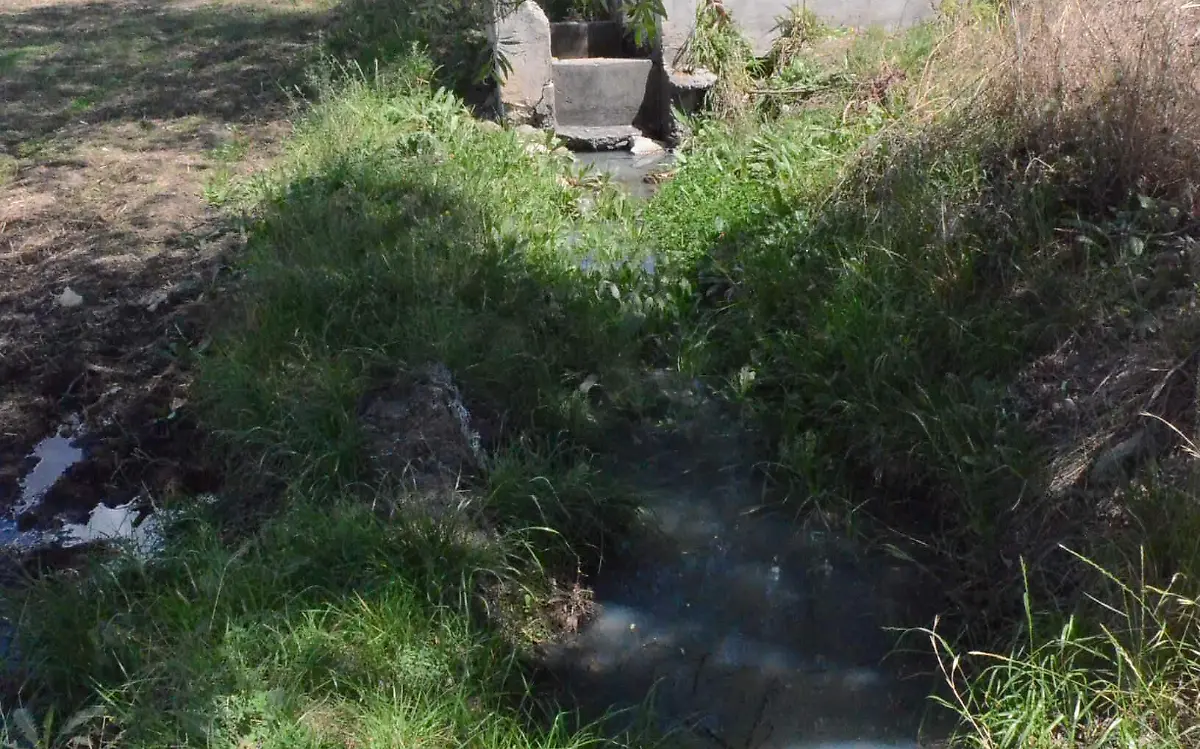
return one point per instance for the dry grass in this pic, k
(1125, 76)
(1105, 91)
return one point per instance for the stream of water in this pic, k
(735, 624)
(626, 169)
(744, 630)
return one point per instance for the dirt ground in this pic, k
(122, 124)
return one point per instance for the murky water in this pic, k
(54, 455)
(123, 524)
(744, 630)
(626, 169)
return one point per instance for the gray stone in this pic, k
(643, 146)
(419, 432)
(686, 92)
(1113, 465)
(69, 298)
(545, 114)
(612, 138)
(522, 36)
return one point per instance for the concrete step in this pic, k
(601, 91)
(608, 138)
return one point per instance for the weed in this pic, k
(329, 625)
(1070, 682)
(9, 167)
(795, 31)
(18, 729)
(716, 44)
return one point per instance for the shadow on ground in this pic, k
(65, 63)
(117, 122)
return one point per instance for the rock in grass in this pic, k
(642, 146)
(419, 434)
(69, 298)
(1114, 464)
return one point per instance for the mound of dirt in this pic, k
(420, 436)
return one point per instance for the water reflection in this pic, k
(746, 631)
(54, 455)
(626, 169)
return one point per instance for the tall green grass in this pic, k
(863, 276)
(330, 627)
(1122, 672)
(395, 232)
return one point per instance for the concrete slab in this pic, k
(601, 91)
(758, 18)
(523, 37)
(612, 138)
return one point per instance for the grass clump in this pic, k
(718, 46)
(329, 628)
(1071, 682)
(395, 232)
(376, 33)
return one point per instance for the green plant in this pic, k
(576, 10)
(795, 31)
(1122, 674)
(20, 731)
(717, 45)
(381, 33)
(643, 17)
(9, 167)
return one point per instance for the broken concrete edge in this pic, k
(598, 138)
(696, 79)
(521, 36)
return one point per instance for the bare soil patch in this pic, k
(115, 118)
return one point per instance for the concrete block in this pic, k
(522, 36)
(601, 91)
(610, 138)
(758, 19)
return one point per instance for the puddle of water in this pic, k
(55, 454)
(745, 631)
(120, 525)
(626, 169)
(117, 525)
(12, 537)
